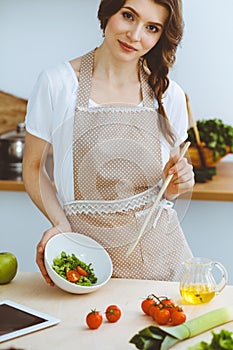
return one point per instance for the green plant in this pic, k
(215, 134)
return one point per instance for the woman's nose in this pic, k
(135, 33)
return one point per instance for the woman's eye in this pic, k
(127, 15)
(152, 28)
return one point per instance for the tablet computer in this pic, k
(17, 320)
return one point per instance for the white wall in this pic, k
(204, 62)
(36, 34)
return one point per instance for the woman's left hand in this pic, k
(183, 176)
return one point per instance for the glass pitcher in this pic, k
(198, 285)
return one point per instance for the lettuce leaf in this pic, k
(220, 341)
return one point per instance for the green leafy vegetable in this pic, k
(204, 173)
(149, 338)
(215, 134)
(220, 341)
(64, 263)
(164, 337)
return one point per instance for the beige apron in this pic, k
(117, 166)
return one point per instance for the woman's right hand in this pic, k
(40, 252)
(42, 192)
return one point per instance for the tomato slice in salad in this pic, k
(73, 276)
(81, 271)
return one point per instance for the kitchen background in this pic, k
(38, 34)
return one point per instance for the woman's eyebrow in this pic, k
(138, 15)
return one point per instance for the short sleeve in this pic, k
(39, 109)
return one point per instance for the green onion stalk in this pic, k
(163, 338)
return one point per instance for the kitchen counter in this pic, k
(11, 185)
(30, 290)
(220, 188)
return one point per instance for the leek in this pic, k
(163, 338)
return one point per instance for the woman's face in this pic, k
(135, 29)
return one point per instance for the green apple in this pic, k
(8, 267)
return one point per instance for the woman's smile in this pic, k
(126, 47)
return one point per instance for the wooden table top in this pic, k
(30, 290)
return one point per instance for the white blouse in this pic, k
(50, 116)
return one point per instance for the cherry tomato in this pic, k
(168, 302)
(94, 319)
(175, 308)
(169, 305)
(73, 276)
(81, 271)
(161, 315)
(153, 308)
(178, 317)
(113, 313)
(145, 305)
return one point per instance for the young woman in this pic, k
(112, 118)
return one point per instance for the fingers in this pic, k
(182, 171)
(183, 177)
(40, 263)
(64, 227)
(40, 253)
(169, 167)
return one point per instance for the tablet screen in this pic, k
(16, 320)
(13, 319)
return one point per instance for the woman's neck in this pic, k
(113, 81)
(110, 70)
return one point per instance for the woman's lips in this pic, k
(126, 47)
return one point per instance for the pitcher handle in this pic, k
(219, 287)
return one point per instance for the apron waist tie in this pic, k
(163, 204)
(112, 206)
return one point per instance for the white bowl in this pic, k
(87, 250)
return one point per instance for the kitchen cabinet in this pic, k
(21, 227)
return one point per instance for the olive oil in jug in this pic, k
(198, 285)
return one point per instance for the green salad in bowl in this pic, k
(74, 270)
(77, 263)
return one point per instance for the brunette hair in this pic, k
(161, 57)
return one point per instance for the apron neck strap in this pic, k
(147, 92)
(85, 78)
